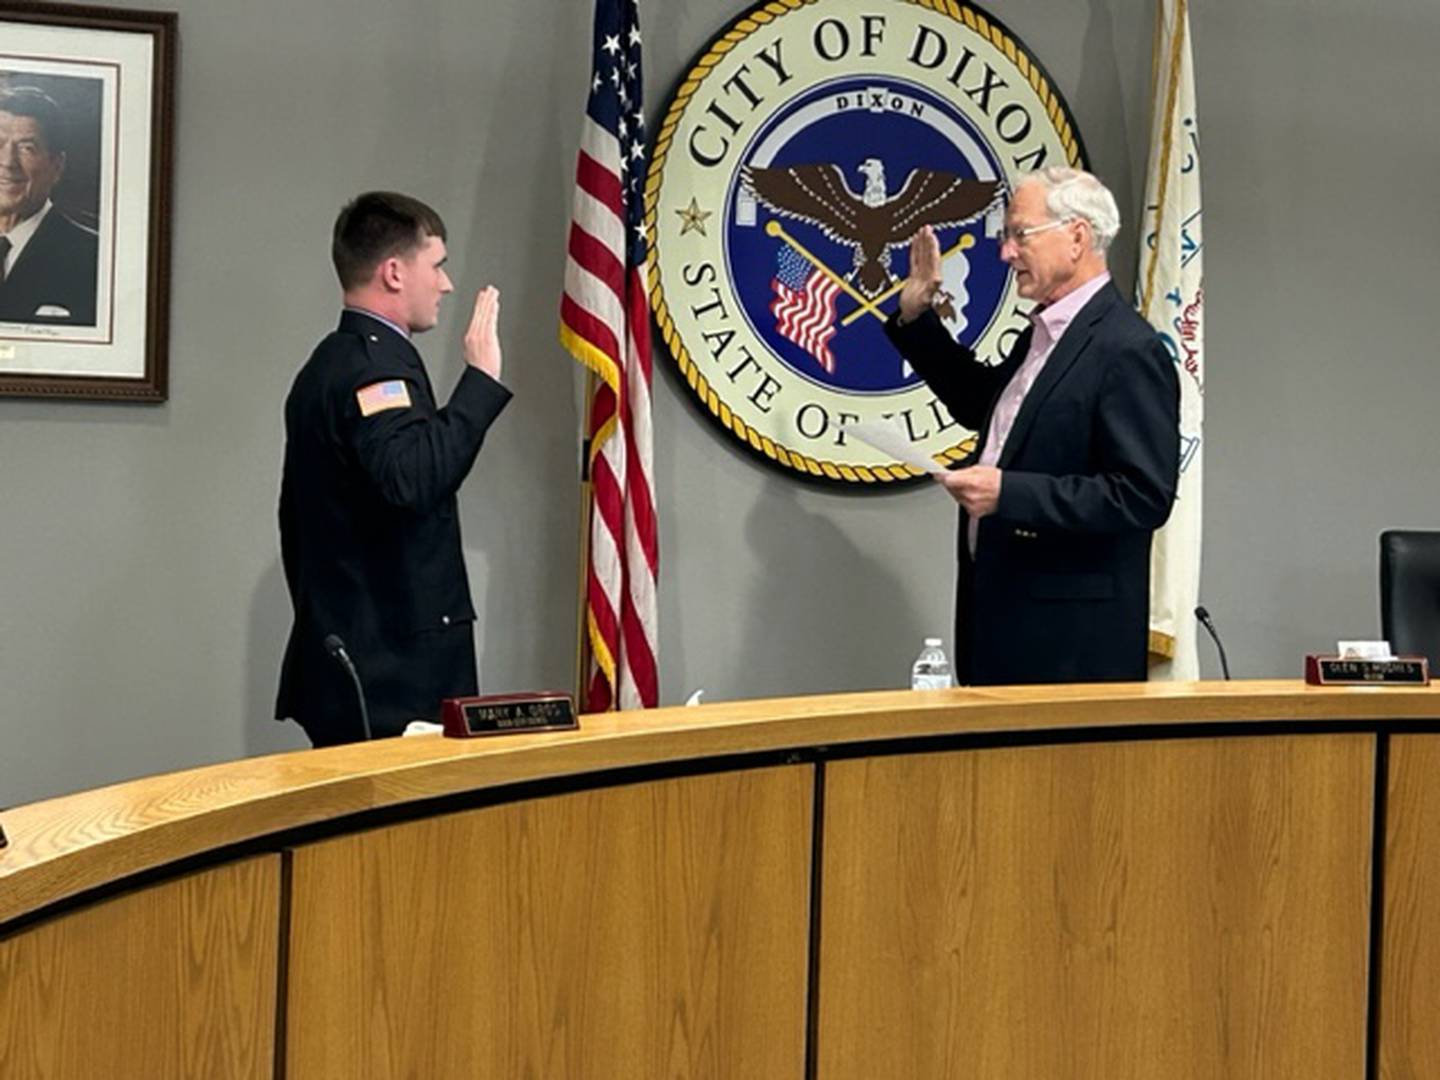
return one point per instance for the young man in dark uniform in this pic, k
(369, 521)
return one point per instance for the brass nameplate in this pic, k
(507, 714)
(1349, 671)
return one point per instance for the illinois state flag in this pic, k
(1170, 294)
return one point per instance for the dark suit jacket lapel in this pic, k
(1017, 356)
(1068, 349)
(40, 242)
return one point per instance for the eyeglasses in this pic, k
(1019, 236)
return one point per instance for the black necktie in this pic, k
(4, 254)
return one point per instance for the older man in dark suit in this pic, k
(1078, 453)
(48, 263)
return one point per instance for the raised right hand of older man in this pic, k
(925, 276)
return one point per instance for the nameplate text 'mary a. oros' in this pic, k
(507, 714)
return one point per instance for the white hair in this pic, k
(1074, 193)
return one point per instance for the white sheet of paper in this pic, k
(423, 727)
(889, 437)
(1364, 650)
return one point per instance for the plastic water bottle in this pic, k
(931, 670)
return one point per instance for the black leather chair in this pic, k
(1410, 593)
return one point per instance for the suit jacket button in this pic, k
(444, 620)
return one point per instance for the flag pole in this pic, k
(582, 599)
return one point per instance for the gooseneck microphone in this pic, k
(336, 648)
(1209, 624)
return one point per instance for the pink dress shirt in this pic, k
(1049, 323)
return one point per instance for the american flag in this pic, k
(804, 305)
(605, 324)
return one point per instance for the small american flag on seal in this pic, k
(377, 397)
(804, 306)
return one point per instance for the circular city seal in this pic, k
(809, 142)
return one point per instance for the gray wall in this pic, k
(142, 610)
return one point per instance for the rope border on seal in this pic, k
(752, 21)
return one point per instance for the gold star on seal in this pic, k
(693, 218)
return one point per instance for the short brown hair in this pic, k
(376, 226)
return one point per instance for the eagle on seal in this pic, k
(873, 222)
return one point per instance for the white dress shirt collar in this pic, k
(20, 235)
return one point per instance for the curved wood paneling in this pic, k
(1089, 881)
(655, 930)
(1410, 967)
(1127, 910)
(176, 980)
(65, 846)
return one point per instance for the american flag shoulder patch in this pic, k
(377, 397)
